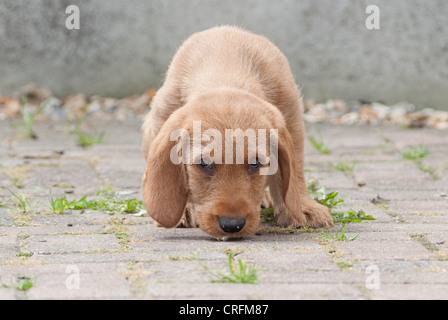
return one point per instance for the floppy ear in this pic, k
(285, 158)
(164, 185)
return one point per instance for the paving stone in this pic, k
(62, 244)
(9, 247)
(67, 228)
(406, 243)
(412, 267)
(440, 239)
(426, 137)
(410, 292)
(384, 250)
(335, 180)
(62, 172)
(93, 281)
(291, 260)
(247, 291)
(423, 207)
(7, 294)
(376, 236)
(75, 219)
(393, 228)
(92, 286)
(102, 256)
(5, 218)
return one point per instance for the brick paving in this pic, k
(403, 254)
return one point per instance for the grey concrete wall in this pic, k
(124, 47)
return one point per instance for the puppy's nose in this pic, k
(231, 225)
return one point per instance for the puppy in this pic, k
(223, 80)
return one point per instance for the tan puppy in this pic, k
(227, 78)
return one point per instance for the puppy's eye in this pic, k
(206, 164)
(254, 164)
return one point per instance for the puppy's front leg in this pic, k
(292, 202)
(297, 208)
(188, 218)
(266, 200)
(316, 214)
(286, 215)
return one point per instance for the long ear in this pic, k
(164, 189)
(285, 156)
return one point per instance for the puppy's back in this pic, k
(225, 57)
(230, 57)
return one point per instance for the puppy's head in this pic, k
(217, 151)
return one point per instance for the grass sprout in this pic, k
(415, 152)
(87, 140)
(343, 166)
(350, 216)
(109, 204)
(23, 283)
(340, 234)
(58, 204)
(239, 272)
(29, 117)
(318, 144)
(23, 203)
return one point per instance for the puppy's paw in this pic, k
(317, 215)
(266, 200)
(285, 218)
(189, 218)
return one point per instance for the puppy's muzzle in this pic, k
(231, 225)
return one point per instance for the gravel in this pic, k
(78, 106)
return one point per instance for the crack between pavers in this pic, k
(436, 252)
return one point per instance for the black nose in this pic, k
(231, 225)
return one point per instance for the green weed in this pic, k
(25, 205)
(312, 186)
(108, 204)
(24, 254)
(241, 273)
(427, 169)
(105, 190)
(350, 216)
(329, 200)
(87, 140)
(344, 264)
(29, 117)
(415, 152)
(24, 283)
(318, 144)
(344, 166)
(58, 204)
(268, 215)
(339, 234)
